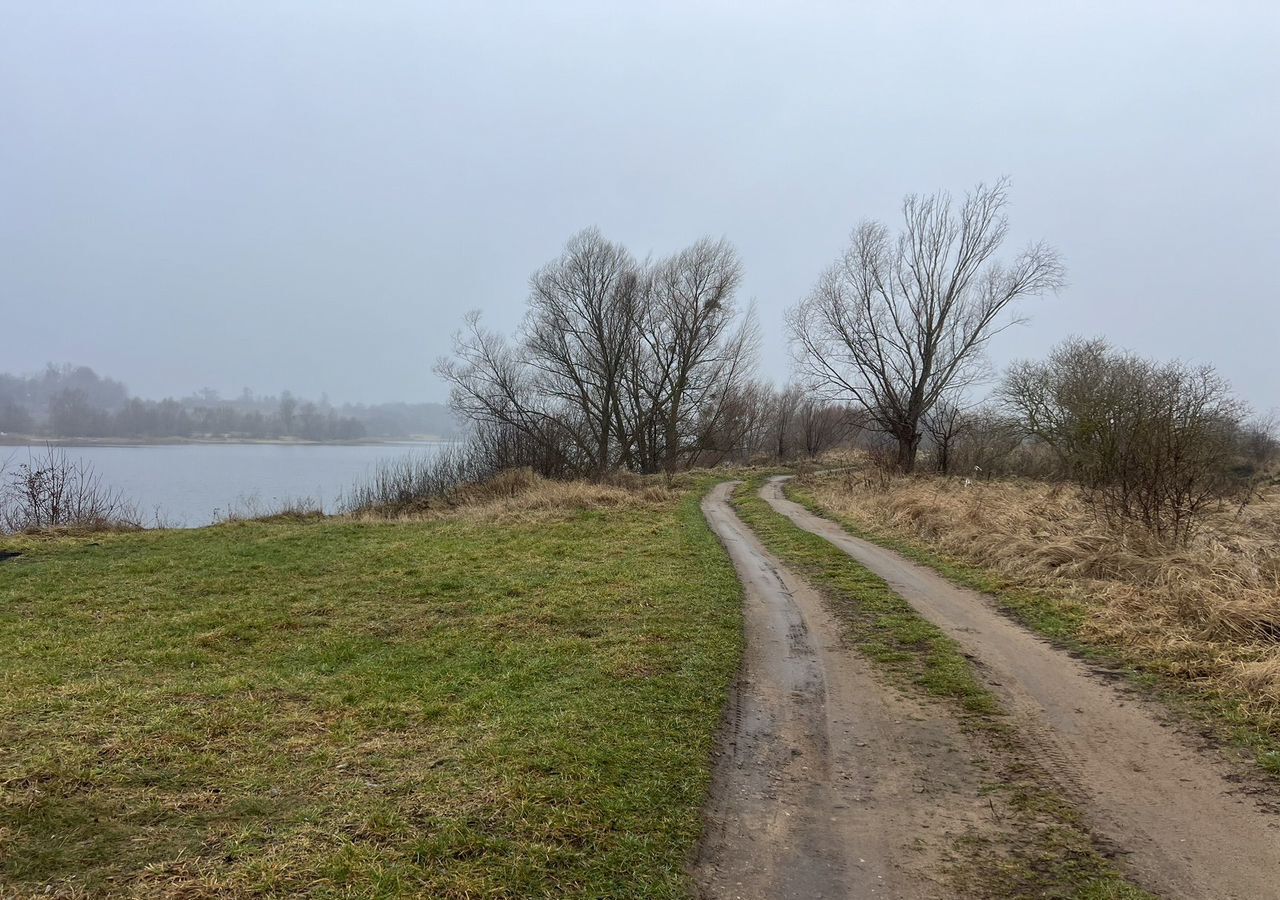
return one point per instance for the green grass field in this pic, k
(447, 709)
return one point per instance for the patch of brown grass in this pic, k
(520, 495)
(1208, 611)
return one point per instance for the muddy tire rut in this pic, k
(828, 784)
(1183, 820)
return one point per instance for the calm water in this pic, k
(192, 484)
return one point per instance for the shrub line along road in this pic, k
(817, 790)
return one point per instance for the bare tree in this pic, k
(578, 338)
(823, 425)
(988, 444)
(617, 364)
(288, 407)
(493, 388)
(945, 423)
(786, 404)
(1260, 442)
(692, 351)
(897, 322)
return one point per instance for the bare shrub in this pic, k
(984, 443)
(1260, 446)
(945, 424)
(1151, 443)
(52, 491)
(286, 509)
(452, 483)
(414, 481)
(493, 453)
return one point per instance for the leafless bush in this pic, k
(1151, 443)
(1260, 445)
(414, 481)
(52, 491)
(490, 452)
(945, 425)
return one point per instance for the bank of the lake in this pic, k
(194, 483)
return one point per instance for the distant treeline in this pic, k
(74, 401)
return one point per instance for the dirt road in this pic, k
(828, 784)
(1182, 819)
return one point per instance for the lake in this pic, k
(193, 484)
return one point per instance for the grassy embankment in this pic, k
(1198, 625)
(1044, 850)
(514, 702)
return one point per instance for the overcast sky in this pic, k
(310, 195)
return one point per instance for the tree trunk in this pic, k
(908, 446)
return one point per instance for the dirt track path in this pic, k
(828, 784)
(1181, 818)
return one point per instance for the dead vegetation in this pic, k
(49, 492)
(1207, 610)
(520, 495)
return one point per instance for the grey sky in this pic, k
(309, 195)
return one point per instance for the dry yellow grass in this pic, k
(1208, 612)
(519, 496)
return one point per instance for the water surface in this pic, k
(193, 484)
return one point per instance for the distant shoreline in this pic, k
(28, 440)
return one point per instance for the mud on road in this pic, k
(1183, 820)
(828, 783)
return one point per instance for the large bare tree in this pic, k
(899, 320)
(693, 350)
(578, 334)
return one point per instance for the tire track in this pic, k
(1184, 826)
(827, 783)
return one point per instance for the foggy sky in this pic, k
(309, 195)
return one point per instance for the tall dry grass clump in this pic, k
(542, 499)
(1207, 610)
(459, 481)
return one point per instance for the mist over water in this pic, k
(189, 485)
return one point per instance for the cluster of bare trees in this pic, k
(648, 366)
(898, 327)
(618, 363)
